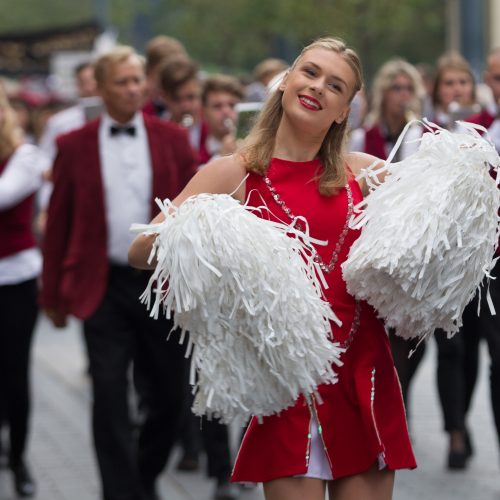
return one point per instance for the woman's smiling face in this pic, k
(318, 89)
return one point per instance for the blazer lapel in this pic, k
(91, 176)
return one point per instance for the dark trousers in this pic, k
(18, 313)
(406, 366)
(458, 360)
(213, 435)
(119, 332)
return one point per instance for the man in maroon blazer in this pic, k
(106, 176)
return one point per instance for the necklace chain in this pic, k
(327, 268)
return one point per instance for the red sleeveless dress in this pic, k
(361, 417)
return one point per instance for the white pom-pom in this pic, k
(430, 231)
(250, 297)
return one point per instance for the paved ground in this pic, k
(62, 460)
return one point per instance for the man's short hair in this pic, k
(117, 55)
(268, 68)
(175, 72)
(160, 48)
(82, 66)
(222, 83)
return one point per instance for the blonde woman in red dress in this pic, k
(351, 438)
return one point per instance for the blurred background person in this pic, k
(454, 97)
(220, 95)
(263, 73)
(396, 99)
(158, 50)
(21, 170)
(73, 117)
(181, 91)
(454, 92)
(458, 358)
(107, 175)
(85, 109)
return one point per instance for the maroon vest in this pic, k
(483, 118)
(375, 143)
(15, 225)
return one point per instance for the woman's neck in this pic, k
(295, 145)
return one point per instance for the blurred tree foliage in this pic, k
(237, 34)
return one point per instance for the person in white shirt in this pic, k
(107, 175)
(73, 117)
(21, 170)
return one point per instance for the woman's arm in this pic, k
(222, 175)
(358, 161)
(22, 175)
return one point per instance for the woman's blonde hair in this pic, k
(452, 61)
(258, 147)
(382, 83)
(11, 134)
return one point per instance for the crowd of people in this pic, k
(160, 127)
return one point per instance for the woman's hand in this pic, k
(224, 175)
(358, 161)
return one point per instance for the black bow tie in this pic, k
(126, 129)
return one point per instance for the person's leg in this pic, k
(295, 488)
(489, 326)
(471, 332)
(450, 379)
(19, 310)
(216, 441)
(458, 360)
(494, 349)
(406, 367)
(161, 364)
(374, 484)
(19, 318)
(190, 439)
(110, 344)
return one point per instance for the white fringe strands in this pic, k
(430, 231)
(250, 297)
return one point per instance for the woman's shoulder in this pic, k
(225, 174)
(357, 161)
(228, 168)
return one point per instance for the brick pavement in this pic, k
(62, 459)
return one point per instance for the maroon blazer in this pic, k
(75, 268)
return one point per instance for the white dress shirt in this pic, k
(127, 182)
(21, 177)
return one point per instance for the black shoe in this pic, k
(226, 491)
(150, 493)
(457, 460)
(23, 481)
(469, 448)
